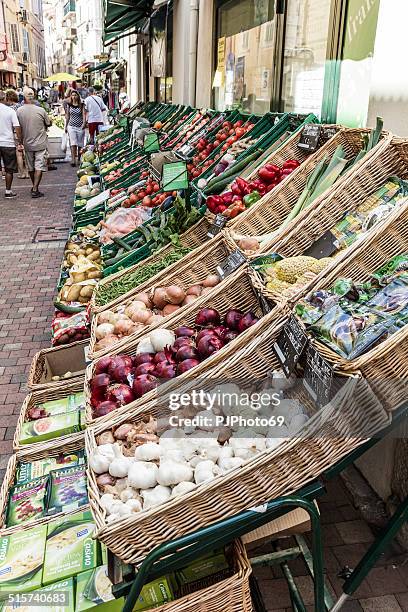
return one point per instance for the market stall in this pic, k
(211, 255)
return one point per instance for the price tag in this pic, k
(185, 152)
(309, 139)
(318, 377)
(232, 263)
(328, 132)
(174, 176)
(290, 345)
(323, 247)
(95, 178)
(151, 142)
(98, 199)
(219, 222)
(266, 305)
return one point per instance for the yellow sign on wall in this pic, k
(221, 54)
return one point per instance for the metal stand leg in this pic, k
(373, 553)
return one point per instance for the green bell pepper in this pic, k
(251, 198)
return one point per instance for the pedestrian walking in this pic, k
(81, 89)
(12, 100)
(75, 125)
(94, 107)
(34, 122)
(9, 130)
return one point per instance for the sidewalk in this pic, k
(29, 273)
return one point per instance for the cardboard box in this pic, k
(93, 588)
(154, 593)
(70, 548)
(296, 521)
(21, 560)
(203, 567)
(56, 597)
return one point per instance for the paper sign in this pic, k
(151, 143)
(98, 199)
(218, 223)
(174, 176)
(309, 138)
(290, 345)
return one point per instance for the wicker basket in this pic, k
(324, 440)
(60, 446)
(57, 361)
(192, 269)
(192, 238)
(268, 213)
(384, 366)
(236, 292)
(355, 189)
(36, 398)
(230, 594)
(288, 150)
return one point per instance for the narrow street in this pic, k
(29, 264)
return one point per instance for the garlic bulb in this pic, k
(172, 472)
(155, 497)
(230, 463)
(98, 463)
(182, 488)
(107, 451)
(225, 451)
(205, 470)
(161, 337)
(280, 382)
(297, 422)
(134, 505)
(127, 494)
(147, 452)
(119, 508)
(143, 475)
(145, 346)
(119, 467)
(106, 500)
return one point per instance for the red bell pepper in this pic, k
(272, 167)
(242, 184)
(213, 202)
(235, 189)
(236, 198)
(286, 172)
(291, 163)
(227, 197)
(267, 175)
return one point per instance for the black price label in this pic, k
(318, 377)
(219, 222)
(309, 138)
(266, 305)
(232, 263)
(329, 132)
(290, 345)
(323, 247)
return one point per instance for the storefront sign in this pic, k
(221, 55)
(174, 176)
(318, 377)
(290, 345)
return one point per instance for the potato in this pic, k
(89, 250)
(83, 300)
(87, 291)
(73, 293)
(95, 274)
(79, 277)
(81, 252)
(93, 256)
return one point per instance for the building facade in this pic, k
(22, 46)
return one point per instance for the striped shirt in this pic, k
(75, 116)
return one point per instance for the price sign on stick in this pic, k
(175, 176)
(318, 376)
(309, 138)
(290, 345)
(232, 263)
(218, 223)
(151, 143)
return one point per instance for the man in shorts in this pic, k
(34, 122)
(94, 108)
(9, 128)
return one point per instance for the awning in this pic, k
(124, 15)
(101, 67)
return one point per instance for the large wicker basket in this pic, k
(192, 238)
(267, 214)
(57, 361)
(355, 189)
(329, 435)
(386, 365)
(39, 397)
(231, 594)
(192, 269)
(236, 292)
(288, 150)
(59, 446)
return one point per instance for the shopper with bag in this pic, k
(94, 107)
(75, 125)
(9, 129)
(12, 100)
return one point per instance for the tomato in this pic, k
(147, 201)
(127, 203)
(173, 193)
(240, 132)
(133, 198)
(149, 189)
(141, 194)
(156, 187)
(216, 143)
(222, 137)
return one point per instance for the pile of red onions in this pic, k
(122, 379)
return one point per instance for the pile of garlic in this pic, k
(181, 459)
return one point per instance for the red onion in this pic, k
(145, 368)
(121, 374)
(220, 331)
(165, 370)
(102, 365)
(186, 365)
(232, 318)
(104, 408)
(182, 341)
(208, 331)
(160, 356)
(143, 384)
(207, 316)
(99, 385)
(209, 345)
(247, 321)
(230, 335)
(184, 331)
(186, 352)
(121, 394)
(119, 360)
(142, 358)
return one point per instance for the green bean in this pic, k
(111, 291)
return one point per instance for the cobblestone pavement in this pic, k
(28, 277)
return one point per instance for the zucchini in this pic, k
(121, 243)
(68, 309)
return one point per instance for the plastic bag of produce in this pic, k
(68, 328)
(84, 269)
(123, 221)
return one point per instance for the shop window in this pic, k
(307, 26)
(15, 45)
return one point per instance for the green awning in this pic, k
(123, 15)
(100, 67)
